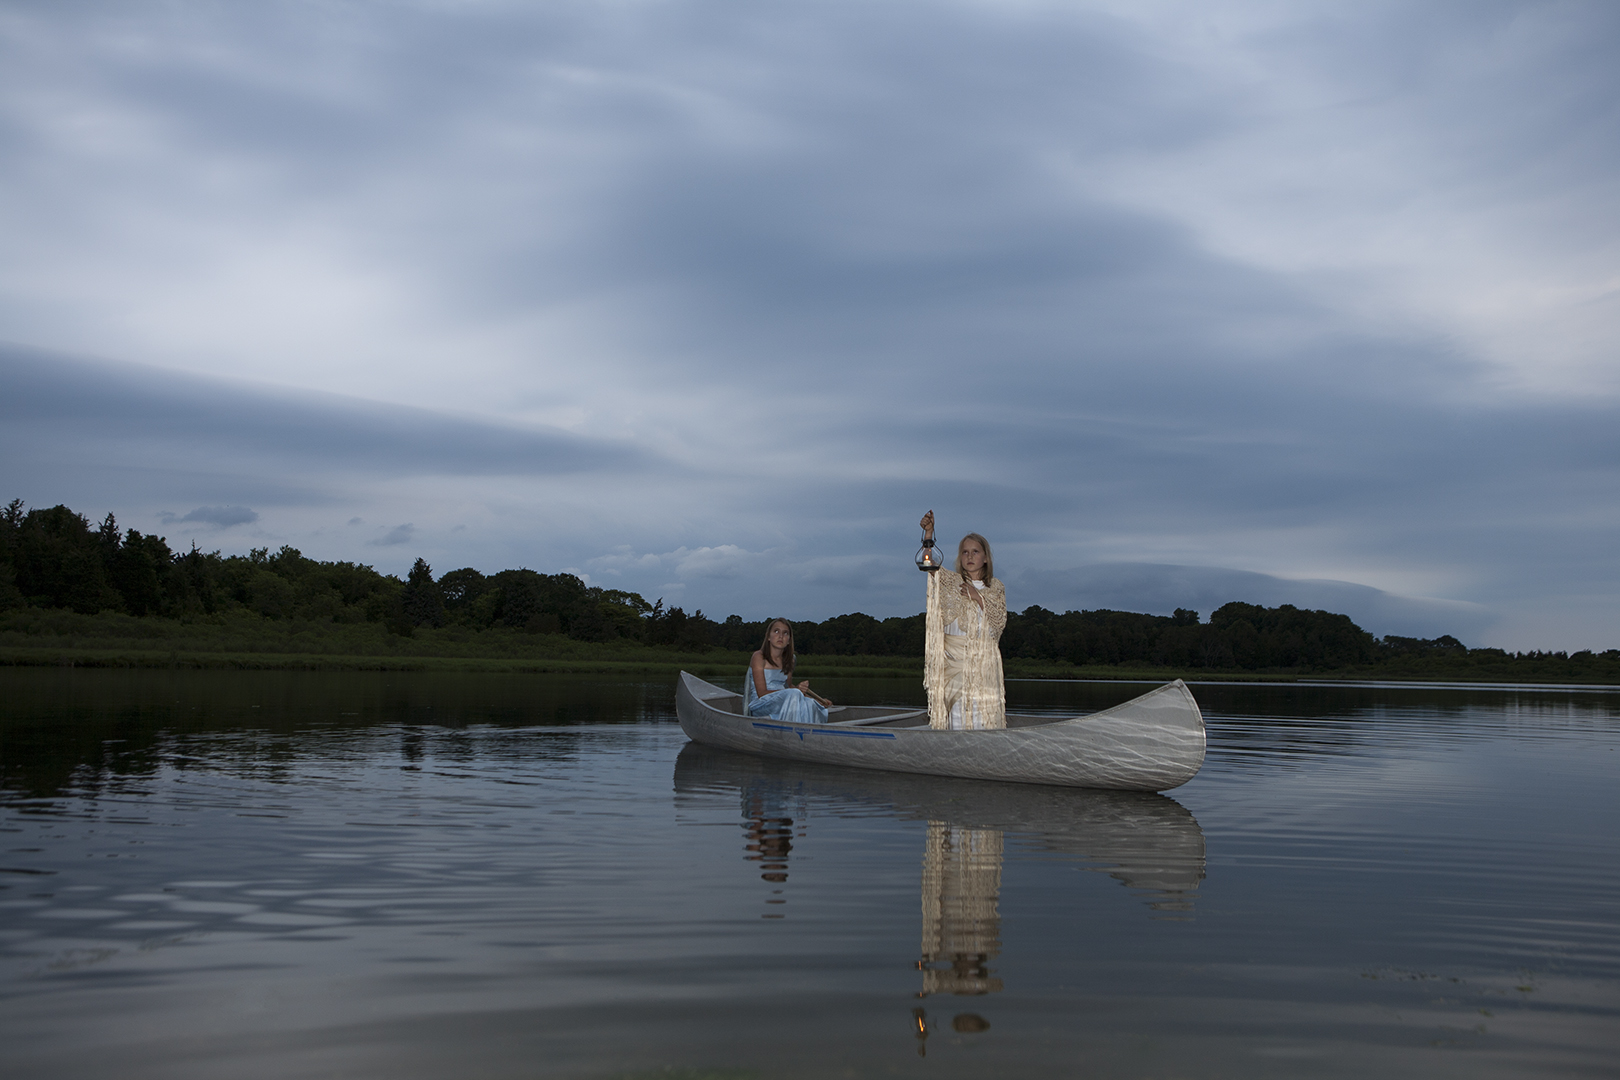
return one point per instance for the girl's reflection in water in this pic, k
(770, 839)
(961, 927)
(1148, 843)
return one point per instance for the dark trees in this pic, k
(1242, 636)
(59, 561)
(55, 558)
(423, 601)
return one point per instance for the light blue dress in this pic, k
(781, 702)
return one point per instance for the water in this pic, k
(290, 875)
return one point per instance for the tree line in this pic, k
(56, 558)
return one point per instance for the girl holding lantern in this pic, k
(967, 611)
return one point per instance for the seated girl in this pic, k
(766, 691)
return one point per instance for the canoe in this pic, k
(1151, 743)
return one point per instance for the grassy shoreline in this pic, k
(247, 642)
(714, 665)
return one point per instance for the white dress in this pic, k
(954, 629)
(961, 655)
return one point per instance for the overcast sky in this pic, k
(1178, 303)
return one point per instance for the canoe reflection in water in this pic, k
(1147, 842)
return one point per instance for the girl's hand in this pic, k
(928, 523)
(973, 594)
(804, 688)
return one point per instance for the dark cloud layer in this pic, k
(106, 412)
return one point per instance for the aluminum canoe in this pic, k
(1151, 743)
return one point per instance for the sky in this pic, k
(1177, 303)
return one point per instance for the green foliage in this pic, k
(83, 587)
(1281, 640)
(841, 635)
(422, 603)
(243, 638)
(1238, 636)
(54, 559)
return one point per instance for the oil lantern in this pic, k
(928, 558)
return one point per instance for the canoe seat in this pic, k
(731, 703)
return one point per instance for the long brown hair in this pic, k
(989, 564)
(785, 661)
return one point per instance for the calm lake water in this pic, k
(365, 875)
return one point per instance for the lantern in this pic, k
(927, 557)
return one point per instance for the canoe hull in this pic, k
(1152, 743)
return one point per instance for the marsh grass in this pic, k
(243, 640)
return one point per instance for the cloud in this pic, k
(721, 562)
(399, 534)
(113, 410)
(845, 572)
(623, 560)
(221, 517)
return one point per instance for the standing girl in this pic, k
(967, 611)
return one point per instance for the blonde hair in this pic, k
(785, 661)
(989, 564)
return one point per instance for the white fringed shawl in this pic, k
(974, 677)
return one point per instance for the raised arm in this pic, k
(928, 534)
